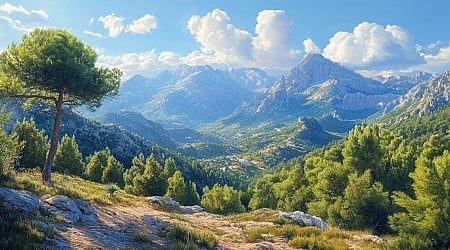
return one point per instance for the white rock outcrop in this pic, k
(303, 218)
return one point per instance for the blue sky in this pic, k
(145, 37)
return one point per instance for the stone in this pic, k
(191, 209)
(368, 237)
(63, 206)
(164, 203)
(303, 218)
(20, 201)
(88, 212)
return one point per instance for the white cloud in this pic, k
(437, 63)
(91, 21)
(310, 46)
(170, 58)
(143, 25)
(271, 46)
(373, 46)
(91, 33)
(147, 63)
(9, 8)
(16, 24)
(113, 23)
(215, 34)
(224, 44)
(40, 13)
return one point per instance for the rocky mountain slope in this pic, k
(317, 87)
(187, 95)
(424, 98)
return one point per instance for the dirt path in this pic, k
(120, 227)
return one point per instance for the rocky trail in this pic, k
(147, 223)
(117, 227)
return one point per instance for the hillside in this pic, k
(123, 221)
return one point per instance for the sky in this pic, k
(148, 36)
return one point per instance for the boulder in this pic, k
(63, 206)
(170, 205)
(20, 201)
(191, 209)
(88, 212)
(164, 203)
(303, 218)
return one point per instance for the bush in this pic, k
(222, 200)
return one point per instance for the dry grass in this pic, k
(73, 187)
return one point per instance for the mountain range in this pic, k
(246, 110)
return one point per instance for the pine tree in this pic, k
(9, 151)
(362, 151)
(137, 168)
(113, 172)
(150, 182)
(192, 196)
(425, 223)
(364, 204)
(222, 200)
(68, 159)
(97, 162)
(34, 144)
(177, 188)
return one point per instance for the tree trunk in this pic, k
(47, 171)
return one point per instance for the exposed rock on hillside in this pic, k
(21, 201)
(303, 218)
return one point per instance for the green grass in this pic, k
(20, 233)
(142, 238)
(189, 235)
(301, 237)
(179, 217)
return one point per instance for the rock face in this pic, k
(318, 86)
(69, 210)
(20, 201)
(170, 205)
(303, 218)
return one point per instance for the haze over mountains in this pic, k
(316, 87)
(247, 109)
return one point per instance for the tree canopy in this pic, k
(56, 67)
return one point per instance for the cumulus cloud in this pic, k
(147, 63)
(310, 46)
(436, 62)
(170, 58)
(215, 34)
(40, 13)
(114, 24)
(17, 24)
(143, 25)
(91, 33)
(371, 45)
(224, 44)
(271, 46)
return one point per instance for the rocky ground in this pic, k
(144, 224)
